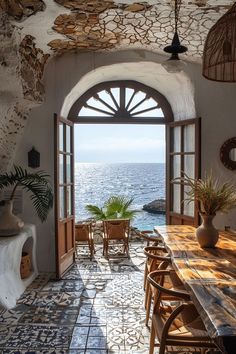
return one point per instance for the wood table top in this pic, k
(210, 276)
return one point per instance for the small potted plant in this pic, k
(116, 207)
(213, 197)
(39, 187)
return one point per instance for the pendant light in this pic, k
(219, 54)
(174, 64)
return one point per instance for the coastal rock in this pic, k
(157, 206)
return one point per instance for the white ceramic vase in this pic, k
(10, 224)
(207, 234)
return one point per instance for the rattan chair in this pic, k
(83, 232)
(118, 231)
(175, 323)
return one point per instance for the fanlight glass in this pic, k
(110, 103)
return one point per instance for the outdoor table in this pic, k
(210, 276)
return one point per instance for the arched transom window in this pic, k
(121, 102)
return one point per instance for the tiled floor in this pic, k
(97, 308)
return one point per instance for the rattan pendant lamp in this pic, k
(219, 55)
(174, 64)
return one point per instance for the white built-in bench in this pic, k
(11, 284)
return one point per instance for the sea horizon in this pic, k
(144, 182)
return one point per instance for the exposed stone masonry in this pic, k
(21, 70)
(20, 9)
(33, 61)
(85, 29)
(99, 6)
(101, 24)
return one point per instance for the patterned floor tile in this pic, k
(97, 308)
(11, 317)
(50, 315)
(29, 351)
(66, 299)
(38, 337)
(40, 281)
(64, 286)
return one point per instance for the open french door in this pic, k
(183, 156)
(64, 195)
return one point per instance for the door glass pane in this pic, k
(69, 200)
(176, 166)
(177, 139)
(61, 169)
(189, 165)
(68, 138)
(68, 169)
(189, 138)
(176, 198)
(62, 202)
(188, 206)
(61, 137)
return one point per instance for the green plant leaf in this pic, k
(116, 207)
(37, 184)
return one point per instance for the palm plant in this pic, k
(35, 183)
(212, 195)
(116, 207)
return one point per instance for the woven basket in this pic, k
(25, 265)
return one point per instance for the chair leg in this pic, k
(104, 246)
(146, 295)
(152, 340)
(148, 307)
(106, 249)
(162, 348)
(145, 277)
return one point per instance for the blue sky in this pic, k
(119, 143)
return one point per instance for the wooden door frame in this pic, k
(58, 119)
(169, 171)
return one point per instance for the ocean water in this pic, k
(144, 182)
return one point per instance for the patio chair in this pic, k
(116, 230)
(83, 232)
(175, 323)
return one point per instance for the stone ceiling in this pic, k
(77, 25)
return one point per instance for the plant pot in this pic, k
(207, 234)
(10, 224)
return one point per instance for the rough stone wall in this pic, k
(20, 9)
(21, 70)
(32, 63)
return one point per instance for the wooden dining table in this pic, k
(209, 275)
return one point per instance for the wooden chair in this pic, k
(175, 324)
(118, 230)
(157, 256)
(83, 232)
(149, 236)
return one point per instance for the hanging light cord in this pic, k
(177, 9)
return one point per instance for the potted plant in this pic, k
(116, 207)
(213, 197)
(39, 187)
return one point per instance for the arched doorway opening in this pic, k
(122, 123)
(127, 102)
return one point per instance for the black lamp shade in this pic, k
(33, 158)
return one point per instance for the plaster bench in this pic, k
(11, 284)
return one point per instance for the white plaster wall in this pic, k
(214, 102)
(177, 88)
